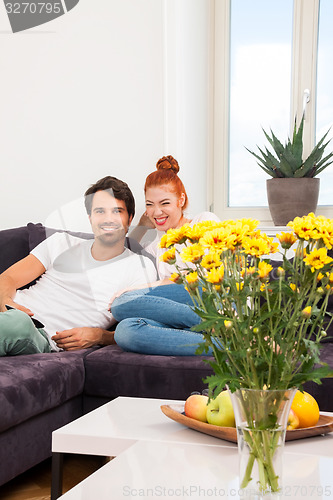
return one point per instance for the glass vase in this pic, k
(261, 420)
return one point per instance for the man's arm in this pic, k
(19, 274)
(82, 338)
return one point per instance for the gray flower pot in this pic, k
(291, 197)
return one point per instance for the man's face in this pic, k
(109, 218)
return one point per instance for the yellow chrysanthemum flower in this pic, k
(317, 259)
(176, 278)
(259, 245)
(227, 324)
(327, 233)
(192, 277)
(215, 275)
(286, 239)
(214, 239)
(280, 272)
(237, 233)
(169, 256)
(251, 224)
(239, 286)
(198, 230)
(212, 259)
(293, 287)
(163, 241)
(177, 236)
(304, 227)
(264, 269)
(193, 253)
(192, 280)
(306, 313)
(248, 271)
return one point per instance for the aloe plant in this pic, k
(288, 161)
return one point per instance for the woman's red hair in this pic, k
(167, 175)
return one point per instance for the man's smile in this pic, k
(109, 228)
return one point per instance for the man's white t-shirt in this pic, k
(165, 270)
(76, 289)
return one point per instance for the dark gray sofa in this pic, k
(42, 392)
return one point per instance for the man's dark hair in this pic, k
(116, 188)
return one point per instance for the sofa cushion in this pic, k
(38, 233)
(323, 392)
(14, 246)
(32, 384)
(112, 372)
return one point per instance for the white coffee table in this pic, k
(153, 452)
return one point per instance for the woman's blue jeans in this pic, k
(156, 321)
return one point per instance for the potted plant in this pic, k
(293, 190)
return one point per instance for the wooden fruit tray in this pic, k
(176, 412)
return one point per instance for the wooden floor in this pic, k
(35, 484)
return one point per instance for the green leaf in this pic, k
(314, 158)
(292, 162)
(268, 164)
(324, 163)
(275, 143)
(297, 144)
(286, 167)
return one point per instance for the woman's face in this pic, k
(163, 207)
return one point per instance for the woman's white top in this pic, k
(165, 270)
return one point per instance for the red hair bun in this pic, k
(168, 163)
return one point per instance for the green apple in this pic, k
(196, 407)
(220, 411)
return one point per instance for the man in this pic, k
(77, 278)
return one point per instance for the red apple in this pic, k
(196, 407)
(293, 421)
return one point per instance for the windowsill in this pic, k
(273, 230)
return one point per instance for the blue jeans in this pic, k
(156, 321)
(18, 335)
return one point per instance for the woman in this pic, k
(158, 319)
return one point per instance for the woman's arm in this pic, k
(140, 230)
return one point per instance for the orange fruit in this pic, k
(306, 409)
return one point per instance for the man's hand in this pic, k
(82, 338)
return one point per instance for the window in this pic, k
(265, 58)
(324, 96)
(260, 77)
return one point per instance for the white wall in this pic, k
(106, 89)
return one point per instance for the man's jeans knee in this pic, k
(167, 304)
